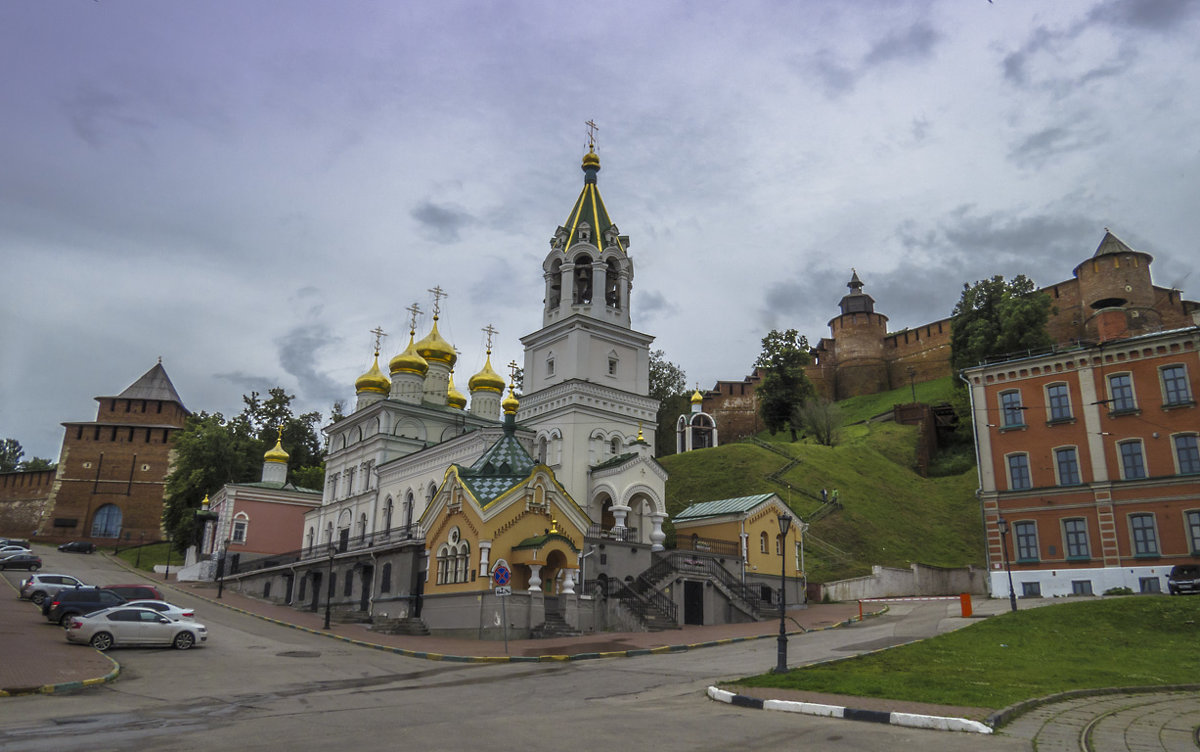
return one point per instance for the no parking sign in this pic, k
(501, 576)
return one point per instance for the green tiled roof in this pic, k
(589, 207)
(502, 466)
(739, 505)
(614, 461)
(538, 541)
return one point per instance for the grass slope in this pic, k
(890, 516)
(1022, 655)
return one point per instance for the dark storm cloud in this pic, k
(442, 223)
(806, 300)
(249, 382)
(1151, 15)
(297, 350)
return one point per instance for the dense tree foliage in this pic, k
(994, 317)
(11, 453)
(784, 387)
(822, 420)
(211, 451)
(668, 385)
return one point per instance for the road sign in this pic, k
(502, 590)
(501, 574)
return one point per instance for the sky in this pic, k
(247, 188)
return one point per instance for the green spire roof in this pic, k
(502, 466)
(589, 209)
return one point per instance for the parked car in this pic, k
(1184, 578)
(24, 560)
(5, 550)
(70, 602)
(78, 547)
(136, 592)
(38, 587)
(169, 610)
(126, 625)
(14, 542)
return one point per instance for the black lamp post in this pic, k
(329, 587)
(221, 568)
(1012, 594)
(141, 542)
(785, 523)
(167, 574)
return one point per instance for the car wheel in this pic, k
(102, 641)
(184, 640)
(34, 567)
(65, 619)
(37, 599)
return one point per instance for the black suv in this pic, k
(1184, 578)
(81, 601)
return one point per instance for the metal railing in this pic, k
(623, 535)
(708, 545)
(683, 563)
(319, 551)
(641, 597)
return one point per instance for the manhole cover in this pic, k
(299, 654)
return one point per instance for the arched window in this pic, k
(312, 538)
(453, 559)
(107, 522)
(348, 586)
(387, 514)
(408, 510)
(241, 526)
(583, 280)
(385, 579)
(612, 280)
(362, 526)
(542, 450)
(779, 545)
(615, 446)
(762, 543)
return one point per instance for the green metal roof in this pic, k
(589, 208)
(502, 466)
(739, 505)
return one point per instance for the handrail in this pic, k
(622, 535)
(709, 567)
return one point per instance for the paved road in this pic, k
(263, 686)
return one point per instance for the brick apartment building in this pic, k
(1090, 456)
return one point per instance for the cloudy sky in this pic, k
(246, 188)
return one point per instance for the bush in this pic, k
(1118, 591)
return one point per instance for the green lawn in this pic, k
(1111, 642)
(151, 554)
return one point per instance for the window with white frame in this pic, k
(1025, 534)
(1176, 390)
(1058, 399)
(1120, 393)
(1018, 472)
(550, 364)
(241, 524)
(1193, 527)
(453, 559)
(1133, 463)
(1081, 587)
(1066, 462)
(1144, 534)
(1187, 453)
(762, 543)
(1012, 414)
(1076, 537)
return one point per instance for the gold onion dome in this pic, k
(409, 361)
(510, 403)
(487, 379)
(697, 398)
(591, 159)
(277, 454)
(434, 348)
(455, 398)
(373, 380)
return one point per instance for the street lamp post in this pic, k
(1012, 593)
(329, 587)
(141, 542)
(785, 522)
(221, 568)
(167, 574)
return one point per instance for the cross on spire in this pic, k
(512, 370)
(490, 331)
(414, 310)
(592, 128)
(379, 335)
(438, 293)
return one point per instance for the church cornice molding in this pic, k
(594, 325)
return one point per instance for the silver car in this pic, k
(123, 625)
(39, 587)
(169, 610)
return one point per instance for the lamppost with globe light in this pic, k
(1012, 593)
(785, 523)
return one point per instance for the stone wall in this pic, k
(917, 580)
(23, 497)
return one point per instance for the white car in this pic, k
(5, 550)
(169, 610)
(123, 625)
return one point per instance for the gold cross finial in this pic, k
(592, 128)
(512, 370)
(490, 331)
(379, 335)
(414, 310)
(280, 432)
(438, 294)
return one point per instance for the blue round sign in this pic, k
(501, 575)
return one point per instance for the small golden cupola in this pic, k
(275, 461)
(697, 397)
(487, 379)
(374, 380)
(276, 453)
(409, 361)
(510, 403)
(455, 398)
(435, 349)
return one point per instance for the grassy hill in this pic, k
(890, 516)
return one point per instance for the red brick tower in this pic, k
(112, 471)
(858, 335)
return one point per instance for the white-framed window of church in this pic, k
(241, 525)
(542, 450)
(614, 445)
(550, 364)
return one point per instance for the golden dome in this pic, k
(697, 398)
(510, 403)
(455, 398)
(487, 379)
(591, 159)
(277, 454)
(434, 348)
(409, 361)
(373, 380)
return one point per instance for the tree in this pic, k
(821, 419)
(668, 385)
(994, 317)
(11, 453)
(211, 451)
(784, 387)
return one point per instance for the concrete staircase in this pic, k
(410, 625)
(554, 626)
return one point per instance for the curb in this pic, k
(53, 689)
(911, 720)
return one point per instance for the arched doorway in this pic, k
(107, 522)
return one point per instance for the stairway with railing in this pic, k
(742, 596)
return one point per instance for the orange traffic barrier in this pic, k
(965, 600)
